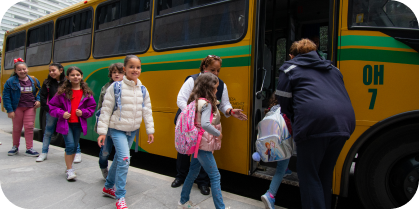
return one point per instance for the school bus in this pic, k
(373, 43)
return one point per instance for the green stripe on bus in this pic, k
(411, 58)
(377, 41)
(228, 62)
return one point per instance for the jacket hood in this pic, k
(309, 60)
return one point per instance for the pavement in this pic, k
(30, 184)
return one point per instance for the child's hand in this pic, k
(220, 136)
(101, 140)
(37, 104)
(66, 115)
(11, 115)
(79, 112)
(150, 138)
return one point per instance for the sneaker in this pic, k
(268, 201)
(42, 157)
(187, 205)
(77, 158)
(71, 174)
(31, 152)
(104, 172)
(120, 204)
(13, 151)
(287, 172)
(109, 192)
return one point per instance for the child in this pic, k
(282, 166)
(20, 99)
(56, 77)
(116, 73)
(123, 124)
(205, 87)
(72, 105)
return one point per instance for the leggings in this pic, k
(24, 117)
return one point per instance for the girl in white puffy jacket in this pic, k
(123, 125)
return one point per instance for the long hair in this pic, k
(62, 75)
(67, 88)
(207, 61)
(302, 46)
(204, 88)
(272, 102)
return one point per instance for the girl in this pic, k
(123, 124)
(281, 167)
(205, 87)
(72, 105)
(56, 77)
(116, 73)
(20, 99)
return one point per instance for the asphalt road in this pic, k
(248, 186)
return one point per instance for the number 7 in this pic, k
(373, 97)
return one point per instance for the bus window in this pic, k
(15, 48)
(180, 24)
(73, 37)
(122, 27)
(382, 13)
(39, 45)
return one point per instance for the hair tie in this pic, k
(18, 60)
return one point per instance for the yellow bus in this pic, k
(373, 42)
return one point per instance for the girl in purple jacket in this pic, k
(72, 105)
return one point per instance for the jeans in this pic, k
(183, 162)
(72, 138)
(105, 151)
(316, 160)
(117, 174)
(51, 122)
(24, 117)
(207, 161)
(281, 166)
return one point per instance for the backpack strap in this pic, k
(117, 94)
(144, 91)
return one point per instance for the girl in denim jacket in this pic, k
(20, 99)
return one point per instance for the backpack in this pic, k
(274, 142)
(187, 135)
(117, 93)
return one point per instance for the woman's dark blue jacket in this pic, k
(312, 94)
(11, 92)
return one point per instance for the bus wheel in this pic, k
(387, 172)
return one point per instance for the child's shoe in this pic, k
(287, 172)
(187, 205)
(31, 153)
(104, 172)
(13, 151)
(109, 192)
(71, 174)
(77, 158)
(42, 157)
(120, 204)
(268, 200)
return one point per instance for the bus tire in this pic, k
(387, 173)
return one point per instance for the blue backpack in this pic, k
(117, 93)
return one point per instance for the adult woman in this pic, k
(312, 93)
(211, 64)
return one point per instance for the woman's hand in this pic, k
(66, 115)
(101, 140)
(37, 104)
(150, 138)
(11, 115)
(237, 113)
(79, 113)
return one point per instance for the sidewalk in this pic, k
(29, 184)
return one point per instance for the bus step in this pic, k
(270, 172)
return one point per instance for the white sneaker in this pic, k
(104, 172)
(187, 205)
(77, 158)
(42, 157)
(71, 174)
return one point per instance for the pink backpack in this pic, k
(187, 135)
